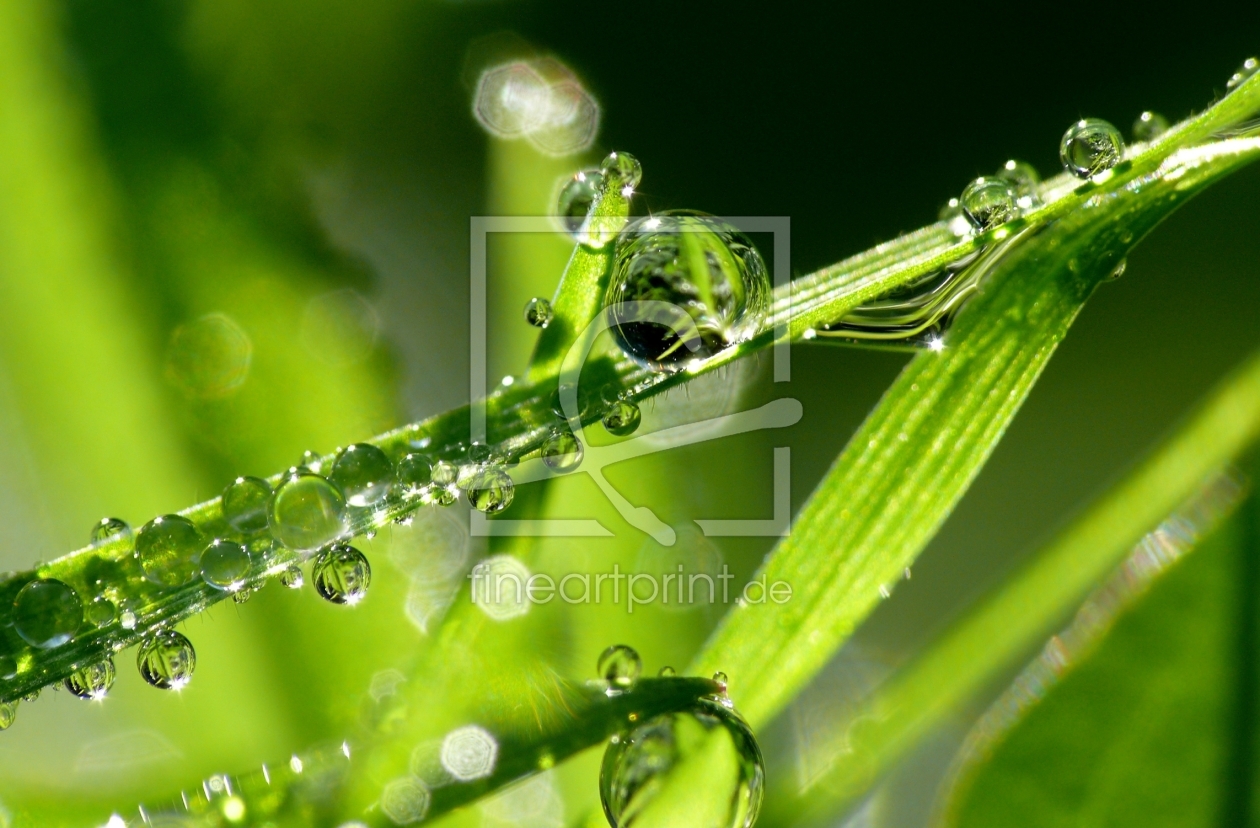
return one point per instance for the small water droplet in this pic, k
(32, 697)
(538, 312)
(636, 765)
(108, 529)
(1149, 126)
(225, 565)
(92, 682)
(363, 473)
(619, 665)
(167, 548)
(8, 714)
(491, 490)
(720, 678)
(242, 596)
(442, 490)
(310, 462)
(562, 452)
(1021, 175)
(244, 504)
(306, 512)
(667, 672)
(127, 620)
(624, 170)
(291, 577)
(574, 204)
(685, 287)
(622, 418)
(8, 667)
(478, 452)
(1249, 67)
(988, 202)
(1118, 270)
(167, 660)
(100, 611)
(47, 613)
(1091, 146)
(413, 474)
(341, 574)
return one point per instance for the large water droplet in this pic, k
(306, 512)
(1249, 67)
(414, 473)
(167, 660)
(47, 613)
(685, 286)
(538, 312)
(363, 473)
(8, 714)
(225, 564)
(245, 504)
(92, 682)
(636, 765)
(1149, 126)
(619, 665)
(575, 200)
(341, 574)
(100, 611)
(108, 529)
(623, 170)
(167, 547)
(442, 490)
(988, 202)
(491, 490)
(562, 452)
(1091, 146)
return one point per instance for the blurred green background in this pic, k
(306, 171)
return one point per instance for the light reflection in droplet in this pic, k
(469, 752)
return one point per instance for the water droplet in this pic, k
(242, 596)
(1118, 270)
(341, 574)
(167, 660)
(310, 462)
(47, 613)
(8, 714)
(624, 169)
(1149, 126)
(127, 620)
(619, 665)
(636, 765)
(1021, 175)
(491, 490)
(1249, 67)
(720, 678)
(32, 697)
(685, 287)
(1090, 146)
(622, 418)
(562, 452)
(209, 358)
(574, 204)
(478, 452)
(567, 391)
(100, 611)
(667, 672)
(306, 512)
(538, 312)
(8, 667)
(167, 547)
(244, 504)
(988, 202)
(225, 564)
(442, 490)
(92, 682)
(291, 577)
(363, 473)
(108, 529)
(414, 473)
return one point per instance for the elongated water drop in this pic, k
(225, 564)
(1149, 126)
(1091, 146)
(93, 681)
(291, 577)
(245, 504)
(363, 473)
(442, 490)
(341, 574)
(108, 529)
(619, 665)
(491, 490)
(538, 312)
(623, 170)
(575, 200)
(8, 714)
(47, 613)
(562, 452)
(622, 418)
(636, 768)
(167, 548)
(306, 512)
(988, 202)
(685, 287)
(1249, 67)
(167, 660)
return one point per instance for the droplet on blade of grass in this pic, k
(1091, 146)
